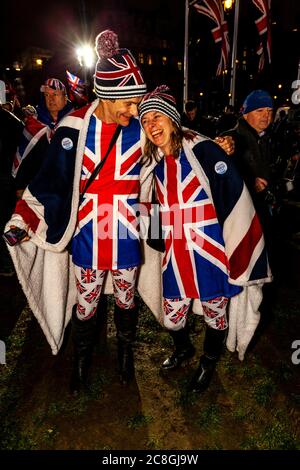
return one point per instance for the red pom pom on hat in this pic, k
(107, 44)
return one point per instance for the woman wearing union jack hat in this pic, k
(214, 247)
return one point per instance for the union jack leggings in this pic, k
(176, 310)
(89, 285)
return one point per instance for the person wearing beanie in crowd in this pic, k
(214, 246)
(70, 204)
(254, 159)
(40, 124)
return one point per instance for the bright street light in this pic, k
(86, 56)
(228, 4)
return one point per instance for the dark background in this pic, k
(154, 28)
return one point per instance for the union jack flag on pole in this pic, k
(264, 30)
(77, 90)
(214, 10)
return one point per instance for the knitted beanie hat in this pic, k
(162, 101)
(117, 75)
(257, 99)
(53, 83)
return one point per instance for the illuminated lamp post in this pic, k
(228, 4)
(86, 58)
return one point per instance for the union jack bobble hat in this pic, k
(53, 83)
(162, 101)
(117, 75)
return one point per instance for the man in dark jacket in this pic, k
(253, 157)
(254, 160)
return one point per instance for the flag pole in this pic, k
(234, 53)
(186, 54)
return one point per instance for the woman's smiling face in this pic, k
(158, 128)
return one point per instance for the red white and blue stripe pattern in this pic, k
(33, 131)
(107, 227)
(214, 10)
(119, 77)
(195, 264)
(162, 101)
(263, 26)
(53, 83)
(222, 233)
(76, 88)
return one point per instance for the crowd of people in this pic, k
(80, 185)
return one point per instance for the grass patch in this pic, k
(263, 391)
(209, 417)
(153, 443)
(139, 420)
(275, 436)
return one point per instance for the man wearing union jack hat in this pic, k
(40, 124)
(64, 206)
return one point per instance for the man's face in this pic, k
(259, 119)
(192, 114)
(121, 111)
(55, 100)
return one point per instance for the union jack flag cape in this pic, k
(37, 135)
(209, 256)
(243, 241)
(34, 130)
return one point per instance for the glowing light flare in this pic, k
(228, 4)
(85, 55)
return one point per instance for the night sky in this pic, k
(51, 24)
(59, 26)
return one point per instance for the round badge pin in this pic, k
(67, 143)
(220, 168)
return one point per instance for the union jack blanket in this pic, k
(38, 131)
(33, 131)
(48, 210)
(243, 239)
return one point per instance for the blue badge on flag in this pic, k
(67, 143)
(220, 168)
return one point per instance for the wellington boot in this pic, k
(183, 349)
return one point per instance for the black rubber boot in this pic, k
(101, 324)
(183, 349)
(213, 345)
(83, 332)
(125, 321)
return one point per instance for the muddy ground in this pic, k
(250, 405)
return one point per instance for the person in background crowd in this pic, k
(227, 120)
(254, 159)
(213, 239)
(192, 120)
(11, 129)
(39, 129)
